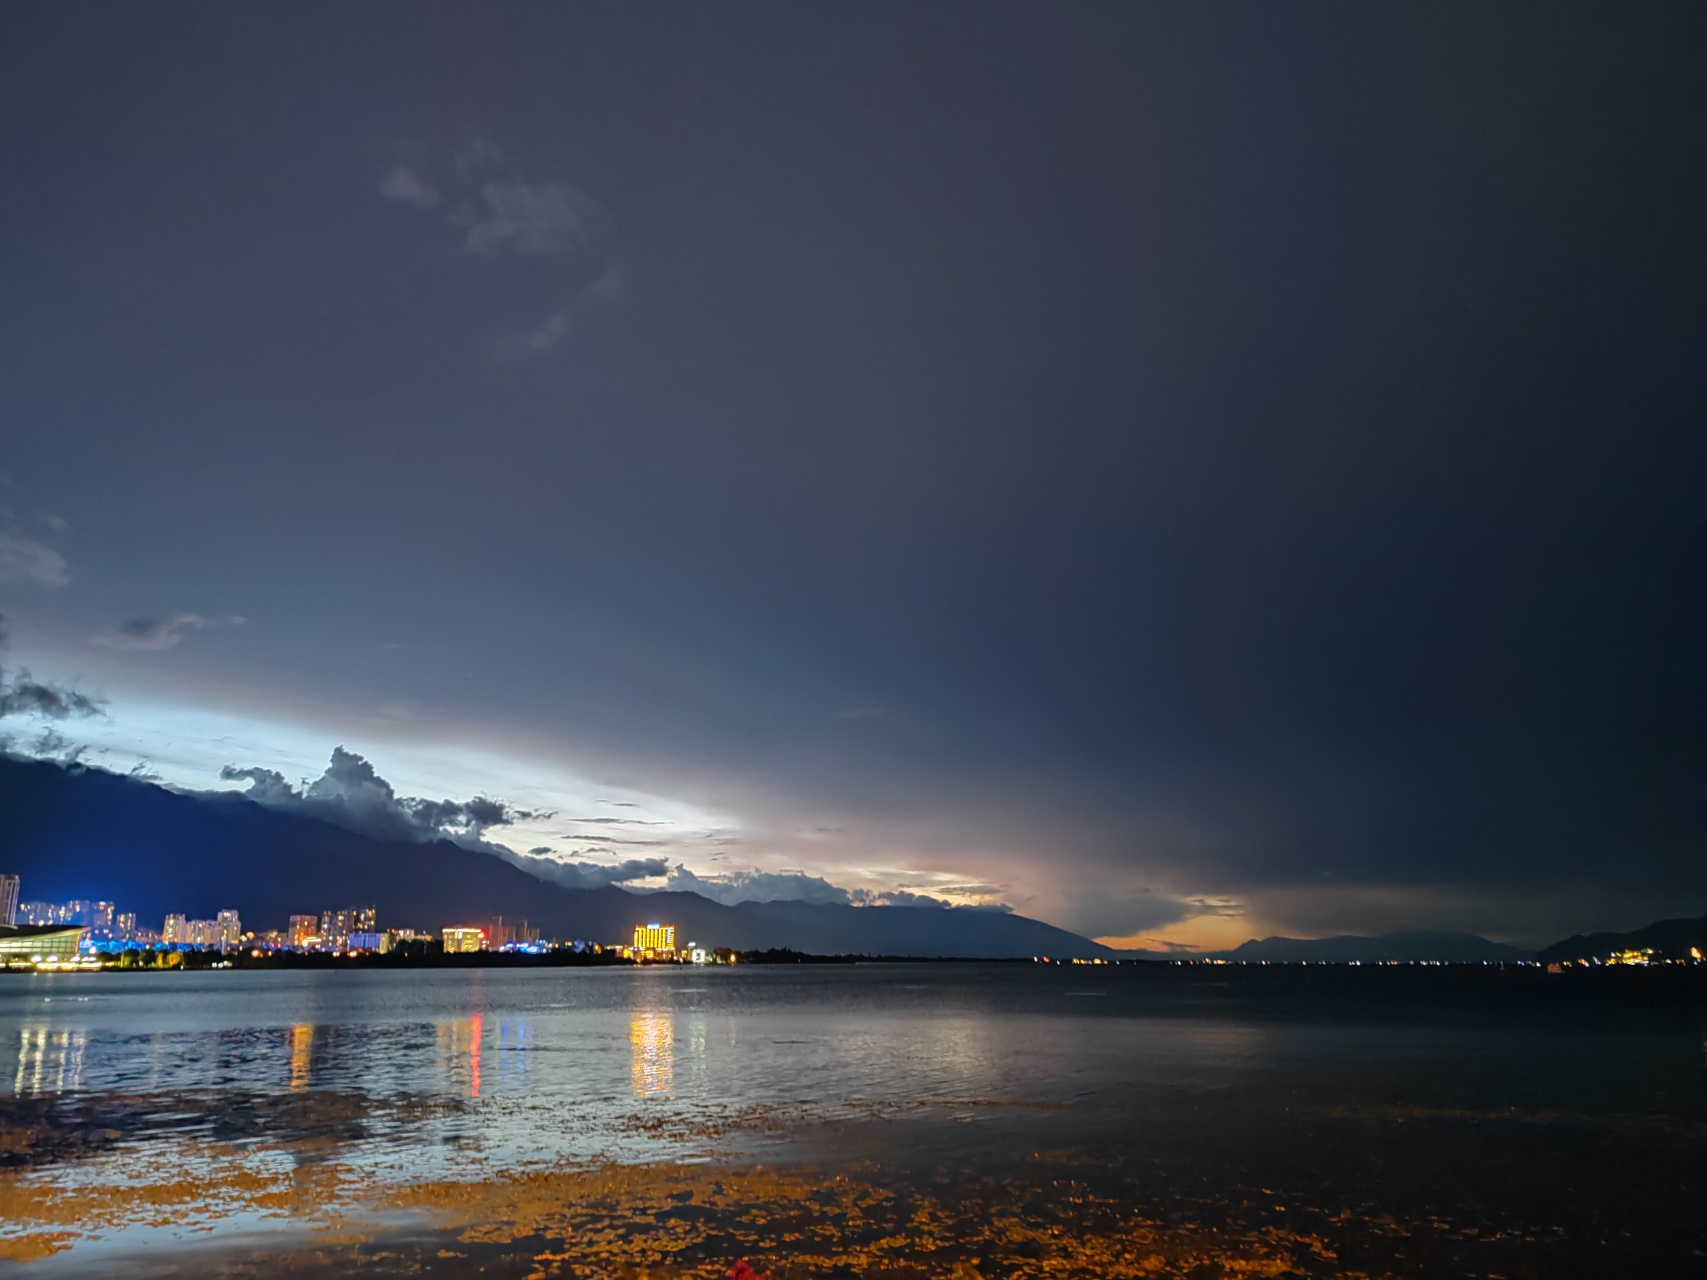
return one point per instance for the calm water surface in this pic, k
(1569, 1129)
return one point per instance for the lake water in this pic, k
(998, 1119)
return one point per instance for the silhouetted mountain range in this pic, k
(1420, 944)
(1670, 940)
(86, 833)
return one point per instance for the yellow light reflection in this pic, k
(652, 1038)
(301, 1055)
(49, 1061)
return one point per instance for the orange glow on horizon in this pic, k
(1199, 933)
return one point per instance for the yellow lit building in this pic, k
(33, 944)
(464, 938)
(655, 938)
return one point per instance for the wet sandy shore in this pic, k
(209, 1184)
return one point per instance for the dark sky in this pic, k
(1181, 470)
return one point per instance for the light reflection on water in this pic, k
(49, 1061)
(305, 1083)
(301, 1055)
(652, 1042)
(545, 1064)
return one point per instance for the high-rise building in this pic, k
(80, 911)
(654, 937)
(230, 929)
(337, 926)
(8, 899)
(175, 930)
(101, 915)
(124, 925)
(302, 928)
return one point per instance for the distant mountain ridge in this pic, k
(1406, 945)
(1669, 940)
(86, 833)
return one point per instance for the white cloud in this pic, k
(586, 875)
(497, 210)
(547, 334)
(405, 185)
(757, 886)
(525, 217)
(22, 560)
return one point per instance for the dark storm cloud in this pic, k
(151, 632)
(1253, 454)
(352, 794)
(22, 695)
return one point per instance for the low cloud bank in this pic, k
(588, 875)
(796, 886)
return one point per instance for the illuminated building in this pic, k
(337, 926)
(8, 900)
(124, 924)
(463, 938)
(222, 933)
(653, 938)
(380, 942)
(33, 944)
(230, 928)
(302, 928)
